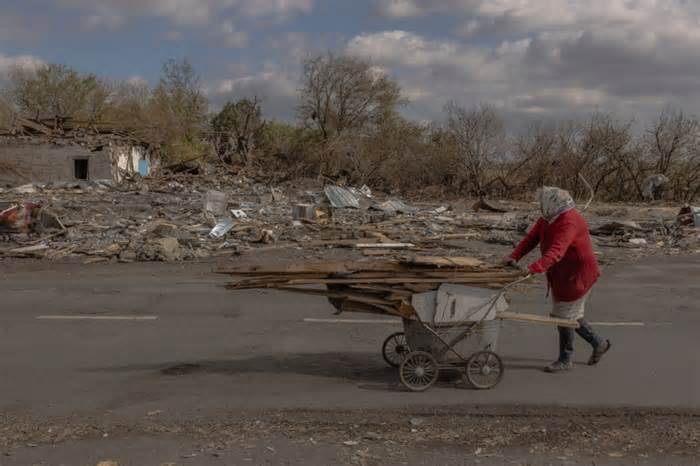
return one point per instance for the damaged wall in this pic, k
(24, 162)
(127, 159)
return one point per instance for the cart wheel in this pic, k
(395, 349)
(419, 371)
(484, 370)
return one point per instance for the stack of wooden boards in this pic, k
(376, 286)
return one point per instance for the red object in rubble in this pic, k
(19, 217)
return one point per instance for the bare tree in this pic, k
(670, 138)
(237, 129)
(340, 93)
(480, 138)
(534, 158)
(607, 150)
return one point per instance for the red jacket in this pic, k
(567, 255)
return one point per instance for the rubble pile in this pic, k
(185, 216)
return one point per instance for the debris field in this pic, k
(185, 216)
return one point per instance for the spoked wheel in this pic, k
(484, 370)
(419, 371)
(395, 349)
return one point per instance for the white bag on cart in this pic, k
(448, 311)
(459, 303)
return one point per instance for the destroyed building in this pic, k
(45, 152)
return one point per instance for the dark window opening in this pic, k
(81, 169)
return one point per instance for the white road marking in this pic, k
(93, 317)
(618, 324)
(352, 321)
(310, 320)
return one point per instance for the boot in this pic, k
(598, 352)
(559, 366)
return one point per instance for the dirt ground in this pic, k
(454, 436)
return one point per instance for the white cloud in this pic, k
(400, 9)
(229, 36)
(189, 12)
(274, 84)
(546, 57)
(108, 20)
(403, 9)
(137, 81)
(29, 62)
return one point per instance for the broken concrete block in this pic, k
(164, 230)
(304, 212)
(161, 249)
(128, 255)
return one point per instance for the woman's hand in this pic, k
(508, 261)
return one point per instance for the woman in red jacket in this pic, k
(571, 268)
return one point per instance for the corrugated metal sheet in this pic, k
(341, 198)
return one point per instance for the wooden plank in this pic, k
(384, 245)
(411, 264)
(377, 252)
(315, 267)
(443, 261)
(536, 318)
(385, 289)
(402, 280)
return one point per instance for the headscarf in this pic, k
(554, 202)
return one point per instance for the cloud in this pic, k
(546, 57)
(28, 62)
(274, 84)
(107, 19)
(188, 12)
(228, 35)
(137, 80)
(404, 9)
(400, 9)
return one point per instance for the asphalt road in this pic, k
(114, 348)
(200, 348)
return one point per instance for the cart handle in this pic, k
(516, 282)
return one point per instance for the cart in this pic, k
(454, 329)
(451, 307)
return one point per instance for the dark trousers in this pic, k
(566, 339)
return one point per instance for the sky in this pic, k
(531, 59)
